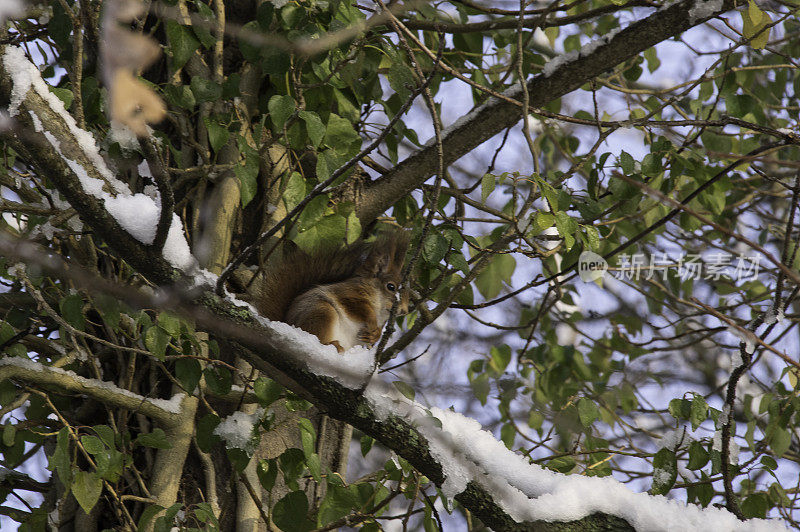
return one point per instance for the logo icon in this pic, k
(591, 266)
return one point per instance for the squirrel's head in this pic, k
(384, 263)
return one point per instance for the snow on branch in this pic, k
(164, 411)
(137, 214)
(528, 492)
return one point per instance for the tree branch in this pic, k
(104, 392)
(490, 118)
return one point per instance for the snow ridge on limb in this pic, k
(103, 391)
(91, 178)
(568, 74)
(528, 492)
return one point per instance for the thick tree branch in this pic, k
(37, 119)
(495, 115)
(104, 392)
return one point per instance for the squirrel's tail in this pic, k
(296, 271)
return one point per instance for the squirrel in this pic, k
(344, 296)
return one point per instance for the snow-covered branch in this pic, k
(69, 156)
(165, 412)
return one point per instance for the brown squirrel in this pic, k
(343, 296)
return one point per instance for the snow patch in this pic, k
(586, 50)
(138, 214)
(528, 492)
(238, 429)
(172, 405)
(704, 9)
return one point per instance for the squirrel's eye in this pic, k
(391, 287)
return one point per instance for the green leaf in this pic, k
(665, 471)
(488, 182)
(680, 408)
(434, 248)
(182, 43)
(218, 380)
(60, 461)
(780, 442)
(205, 432)
(314, 466)
(247, 174)
(405, 389)
(267, 472)
(147, 515)
(699, 411)
(480, 387)
(698, 456)
(217, 135)
(769, 462)
(65, 95)
(366, 444)
(156, 340)
(500, 357)
(307, 436)
(754, 20)
(500, 269)
(86, 487)
(170, 323)
(109, 309)
(314, 127)
(295, 190)
(188, 371)
(156, 439)
(353, 225)
(281, 107)
(652, 59)
(755, 506)
(567, 226)
(205, 514)
(587, 411)
(541, 221)
(507, 435)
(180, 96)
(267, 391)
(314, 211)
(205, 90)
(458, 261)
(563, 464)
(702, 491)
(292, 464)
(401, 78)
(92, 444)
(72, 311)
(340, 133)
(339, 501)
(290, 513)
(106, 434)
(651, 165)
(9, 434)
(592, 237)
(250, 50)
(626, 163)
(327, 232)
(239, 458)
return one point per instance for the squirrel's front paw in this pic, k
(369, 335)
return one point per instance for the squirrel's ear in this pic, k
(375, 261)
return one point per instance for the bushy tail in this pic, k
(296, 271)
